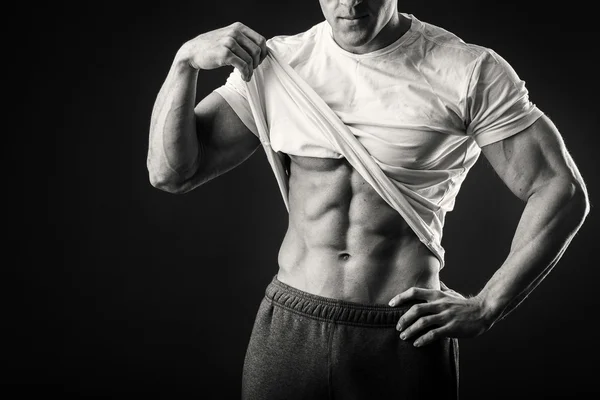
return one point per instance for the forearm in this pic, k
(174, 149)
(550, 220)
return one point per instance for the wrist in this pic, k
(491, 308)
(184, 59)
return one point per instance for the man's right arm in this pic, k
(189, 145)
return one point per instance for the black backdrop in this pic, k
(123, 290)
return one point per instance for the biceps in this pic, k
(531, 159)
(226, 142)
(219, 127)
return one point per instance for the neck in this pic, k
(392, 31)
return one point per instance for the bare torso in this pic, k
(344, 241)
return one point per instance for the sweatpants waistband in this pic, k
(339, 311)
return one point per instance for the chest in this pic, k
(400, 115)
(395, 91)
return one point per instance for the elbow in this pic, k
(586, 203)
(169, 182)
(166, 185)
(579, 200)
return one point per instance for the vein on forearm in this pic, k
(549, 222)
(173, 124)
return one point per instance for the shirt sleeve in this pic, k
(498, 103)
(235, 93)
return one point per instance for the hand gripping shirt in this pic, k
(410, 117)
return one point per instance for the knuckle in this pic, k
(228, 41)
(221, 62)
(237, 26)
(227, 56)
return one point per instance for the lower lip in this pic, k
(354, 20)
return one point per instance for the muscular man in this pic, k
(352, 265)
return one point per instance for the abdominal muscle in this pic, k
(344, 241)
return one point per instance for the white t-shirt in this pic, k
(422, 107)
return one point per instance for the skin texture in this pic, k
(343, 241)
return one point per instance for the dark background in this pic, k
(122, 290)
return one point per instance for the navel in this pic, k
(344, 256)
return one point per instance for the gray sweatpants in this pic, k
(305, 346)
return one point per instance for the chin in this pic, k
(356, 38)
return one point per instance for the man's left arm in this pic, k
(537, 168)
